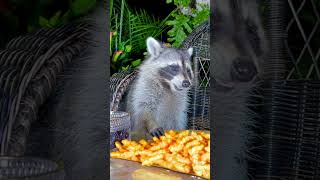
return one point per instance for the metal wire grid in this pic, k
(199, 39)
(303, 39)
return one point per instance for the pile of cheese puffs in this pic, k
(184, 151)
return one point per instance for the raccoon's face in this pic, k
(173, 66)
(177, 75)
(239, 44)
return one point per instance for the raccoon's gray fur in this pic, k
(158, 98)
(239, 48)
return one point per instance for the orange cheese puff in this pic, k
(120, 147)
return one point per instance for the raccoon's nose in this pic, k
(243, 69)
(185, 83)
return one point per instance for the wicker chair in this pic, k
(289, 144)
(198, 111)
(29, 68)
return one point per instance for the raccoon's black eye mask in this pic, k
(169, 71)
(174, 69)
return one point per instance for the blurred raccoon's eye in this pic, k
(174, 68)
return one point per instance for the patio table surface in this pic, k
(123, 169)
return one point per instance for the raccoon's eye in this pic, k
(174, 69)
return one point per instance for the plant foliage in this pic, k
(76, 9)
(129, 30)
(184, 19)
(22, 16)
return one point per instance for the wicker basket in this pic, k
(290, 131)
(29, 66)
(288, 134)
(29, 168)
(119, 127)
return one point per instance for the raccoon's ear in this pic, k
(190, 51)
(154, 47)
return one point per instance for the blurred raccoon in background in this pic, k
(239, 48)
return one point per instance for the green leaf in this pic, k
(201, 16)
(177, 33)
(169, 1)
(136, 63)
(125, 68)
(185, 3)
(43, 22)
(128, 48)
(80, 7)
(122, 46)
(171, 23)
(180, 37)
(188, 28)
(116, 55)
(54, 20)
(124, 57)
(170, 39)
(172, 32)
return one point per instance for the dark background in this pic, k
(158, 8)
(17, 15)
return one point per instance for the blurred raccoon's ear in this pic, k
(190, 51)
(154, 47)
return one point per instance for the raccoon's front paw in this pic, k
(157, 132)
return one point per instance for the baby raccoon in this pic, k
(158, 99)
